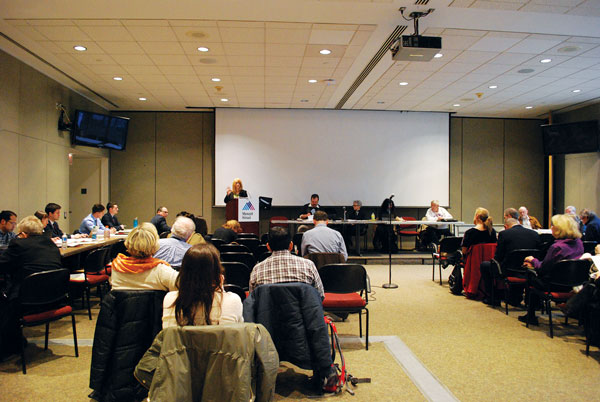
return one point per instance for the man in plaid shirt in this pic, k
(282, 266)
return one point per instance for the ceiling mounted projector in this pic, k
(416, 47)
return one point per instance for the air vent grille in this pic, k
(383, 50)
(421, 2)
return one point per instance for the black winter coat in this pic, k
(127, 324)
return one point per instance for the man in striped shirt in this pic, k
(282, 266)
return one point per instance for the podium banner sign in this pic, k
(247, 209)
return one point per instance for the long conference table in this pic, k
(358, 223)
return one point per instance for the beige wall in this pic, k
(35, 163)
(168, 161)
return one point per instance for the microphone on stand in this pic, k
(392, 196)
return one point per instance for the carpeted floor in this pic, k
(470, 351)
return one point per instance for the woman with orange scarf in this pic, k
(140, 270)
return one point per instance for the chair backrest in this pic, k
(264, 256)
(237, 273)
(251, 243)
(217, 242)
(116, 248)
(247, 236)
(589, 247)
(264, 238)
(44, 288)
(238, 290)
(569, 273)
(246, 258)
(278, 218)
(408, 228)
(344, 278)
(546, 238)
(297, 240)
(260, 250)
(164, 235)
(234, 248)
(95, 260)
(201, 226)
(321, 259)
(450, 244)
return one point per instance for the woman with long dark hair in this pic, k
(201, 299)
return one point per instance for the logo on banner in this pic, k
(246, 210)
(248, 207)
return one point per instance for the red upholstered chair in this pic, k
(475, 255)
(565, 274)
(346, 292)
(512, 272)
(93, 275)
(43, 298)
(408, 230)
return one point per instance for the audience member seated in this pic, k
(8, 220)
(140, 270)
(173, 248)
(43, 217)
(433, 234)
(236, 191)
(572, 212)
(160, 220)
(514, 237)
(385, 234)
(529, 222)
(568, 245)
(201, 299)
(592, 226)
(28, 253)
(196, 237)
(483, 232)
(282, 266)
(228, 232)
(356, 214)
(322, 239)
(53, 211)
(511, 213)
(310, 208)
(109, 219)
(93, 220)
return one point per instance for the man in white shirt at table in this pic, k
(432, 234)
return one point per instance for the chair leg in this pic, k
(74, 335)
(549, 310)
(528, 304)
(22, 346)
(87, 295)
(433, 269)
(367, 330)
(46, 337)
(360, 324)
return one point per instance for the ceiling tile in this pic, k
(214, 49)
(63, 33)
(243, 35)
(162, 48)
(170, 60)
(198, 35)
(291, 36)
(107, 33)
(152, 33)
(494, 44)
(132, 60)
(244, 49)
(330, 37)
(532, 45)
(121, 48)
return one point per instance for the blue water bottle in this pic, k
(135, 222)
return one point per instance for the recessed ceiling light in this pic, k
(438, 55)
(526, 71)
(303, 100)
(312, 81)
(203, 49)
(118, 78)
(380, 102)
(224, 100)
(569, 49)
(80, 48)
(493, 86)
(215, 79)
(545, 60)
(142, 99)
(403, 83)
(576, 91)
(325, 51)
(528, 107)
(456, 105)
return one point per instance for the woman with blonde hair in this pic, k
(483, 232)
(236, 190)
(140, 270)
(200, 298)
(567, 246)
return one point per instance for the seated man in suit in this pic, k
(109, 219)
(514, 237)
(310, 208)
(592, 226)
(322, 239)
(8, 220)
(160, 220)
(172, 249)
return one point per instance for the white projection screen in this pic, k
(342, 155)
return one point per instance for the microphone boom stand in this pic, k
(390, 285)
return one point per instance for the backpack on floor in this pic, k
(455, 281)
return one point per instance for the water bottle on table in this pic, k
(64, 240)
(94, 232)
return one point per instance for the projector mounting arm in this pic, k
(414, 17)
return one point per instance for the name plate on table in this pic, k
(247, 209)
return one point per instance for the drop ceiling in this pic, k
(266, 54)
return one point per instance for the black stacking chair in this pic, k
(237, 273)
(512, 272)
(260, 250)
(93, 275)
(589, 247)
(251, 243)
(247, 236)
(234, 248)
(448, 254)
(235, 289)
(217, 242)
(246, 258)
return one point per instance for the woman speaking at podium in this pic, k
(237, 192)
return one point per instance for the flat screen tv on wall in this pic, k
(571, 138)
(99, 130)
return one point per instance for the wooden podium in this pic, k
(231, 212)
